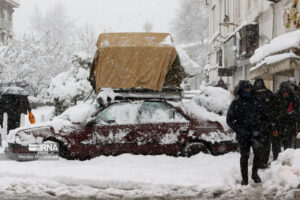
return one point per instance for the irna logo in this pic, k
(46, 147)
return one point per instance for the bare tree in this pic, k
(87, 39)
(54, 23)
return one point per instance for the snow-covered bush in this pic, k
(35, 62)
(71, 86)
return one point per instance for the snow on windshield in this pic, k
(120, 113)
(79, 113)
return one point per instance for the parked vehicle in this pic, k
(132, 125)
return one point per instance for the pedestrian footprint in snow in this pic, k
(246, 116)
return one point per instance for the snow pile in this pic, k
(214, 99)
(106, 95)
(215, 137)
(13, 90)
(167, 41)
(78, 113)
(274, 59)
(201, 113)
(278, 44)
(189, 65)
(136, 177)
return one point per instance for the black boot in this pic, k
(256, 178)
(244, 181)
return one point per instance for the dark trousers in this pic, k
(287, 142)
(266, 148)
(12, 123)
(245, 153)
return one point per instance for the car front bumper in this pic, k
(19, 153)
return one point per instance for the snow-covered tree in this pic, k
(30, 60)
(87, 39)
(54, 24)
(190, 29)
(71, 86)
(191, 23)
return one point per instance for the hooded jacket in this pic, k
(14, 106)
(246, 114)
(263, 94)
(287, 108)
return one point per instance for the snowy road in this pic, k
(148, 177)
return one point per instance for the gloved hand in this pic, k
(275, 133)
(271, 127)
(292, 114)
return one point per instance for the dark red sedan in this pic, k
(148, 127)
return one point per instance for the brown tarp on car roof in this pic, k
(130, 60)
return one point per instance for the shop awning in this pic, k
(267, 71)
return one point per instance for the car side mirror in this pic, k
(90, 122)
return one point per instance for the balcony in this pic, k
(6, 25)
(13, 3)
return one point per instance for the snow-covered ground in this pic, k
(155, 177)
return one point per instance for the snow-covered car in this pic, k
(148, 127)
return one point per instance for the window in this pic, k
(248, 42)
(119, 113)
(159, 112)
(220, 57)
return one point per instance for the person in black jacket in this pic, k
(265, 95)
(287, 113)
(14, 105)
(246, 116)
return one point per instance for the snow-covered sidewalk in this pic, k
(136, 176)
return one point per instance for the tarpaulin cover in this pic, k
(130, 60)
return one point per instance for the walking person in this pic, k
(265, 95)
(287, 113)
(246, 116)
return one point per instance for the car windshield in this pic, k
(119, 113)
(157, 112)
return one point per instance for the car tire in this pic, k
(63, 149)
(194, 148)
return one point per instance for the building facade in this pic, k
(278, 57)
(237, 28)
(6, 19)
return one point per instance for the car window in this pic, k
(157, 112)
(119, 113)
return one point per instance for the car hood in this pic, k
(31, 133)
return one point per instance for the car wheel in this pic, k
(194, 148)
(63, 149)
